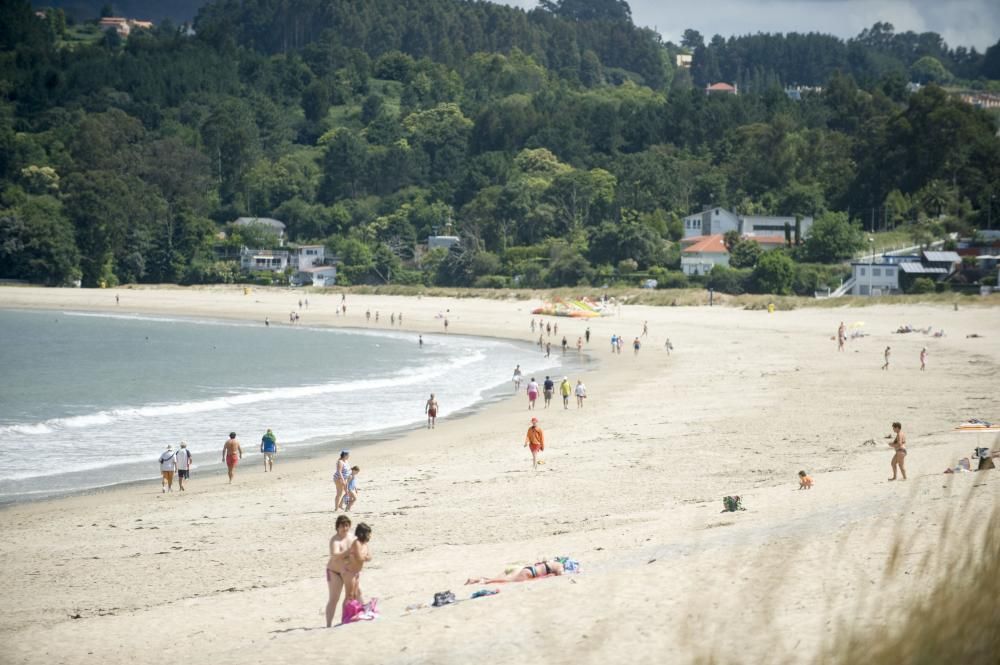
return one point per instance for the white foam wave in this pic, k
(402, 378)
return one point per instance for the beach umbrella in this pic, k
(978, 427)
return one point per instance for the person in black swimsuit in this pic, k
(540, 569)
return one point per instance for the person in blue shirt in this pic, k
(269, 447)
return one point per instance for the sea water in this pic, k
(90, 400)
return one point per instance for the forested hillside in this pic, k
(561, 144)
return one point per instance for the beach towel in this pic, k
(485, 592)
(569, 565)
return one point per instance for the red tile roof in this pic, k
(722, 87)
(711, 245)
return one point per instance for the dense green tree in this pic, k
(833, 237)
(774, 273)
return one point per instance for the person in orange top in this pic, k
(805, 482)
(535, 440)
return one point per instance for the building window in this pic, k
(876, 272)
(861, 271)
(863, 290)
(889, 272)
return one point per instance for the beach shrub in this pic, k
(491, 282)
(668, 279)
(922, 285)
(773, 274)
(728, 280)
(832, 237)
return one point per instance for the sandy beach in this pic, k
(632, 487)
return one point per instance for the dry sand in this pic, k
(632, 487)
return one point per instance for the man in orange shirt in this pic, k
(535, 440)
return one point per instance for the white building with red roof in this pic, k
(700, 257)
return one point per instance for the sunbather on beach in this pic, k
(534, 571)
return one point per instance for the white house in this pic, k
(315, 276)
(719, 220)
(710, 222)
(308, 256)
(264, 259)
(875, 279)
(433, 242)
(702, 256)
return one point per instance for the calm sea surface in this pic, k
(90, 400)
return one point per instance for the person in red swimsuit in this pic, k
(232, 454)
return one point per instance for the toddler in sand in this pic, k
(805, 481)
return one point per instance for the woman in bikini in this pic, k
(534, 571)
(899, 445)
(350, 562)
(340, 477)
(339, 544)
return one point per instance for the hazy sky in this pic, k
(960, 22)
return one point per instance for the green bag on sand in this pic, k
(730, 504)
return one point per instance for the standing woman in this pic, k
(334, 566)
(899, 445)
(341, 475)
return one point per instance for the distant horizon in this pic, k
(969, 23)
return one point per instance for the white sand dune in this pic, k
(632, 487)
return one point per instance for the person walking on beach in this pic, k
(232, 453)
(579, 345)
(535, 441)
(341, 476)
(886, 354)
(668, 346)
(446, 324)
(269, 448)
(548, 349)
(923, 359)
(586, 334)
(532, 326)
(565, 390)
(267, 322)
(581, 394)
(614, 343)
(548, 329)
(645, 328)
(898, 444)
(555, 329)
(368, 315)
(540, 336)
(168, 464)
(420, 341)
(532, 393)
(516, 379)
(183, 460)
(431, 409)
(392, 319)
(548, 387)
(636, 345)
(841, 336)
(352, 561)
(564, 344)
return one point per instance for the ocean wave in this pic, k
(402, 378)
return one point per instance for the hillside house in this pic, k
(315, 276)
(719, 220)
(308, 256)
(273, 260)
(446, 242)
(721, 89)
(123, 26)
(700, 257)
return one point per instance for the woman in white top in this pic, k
(581, 393)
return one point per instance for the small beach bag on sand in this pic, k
(730, 504)
(353, 609)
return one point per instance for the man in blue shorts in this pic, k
(269, 447)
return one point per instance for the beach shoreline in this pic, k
(318, 447)
(632, 488)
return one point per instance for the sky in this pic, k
(960, 22)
